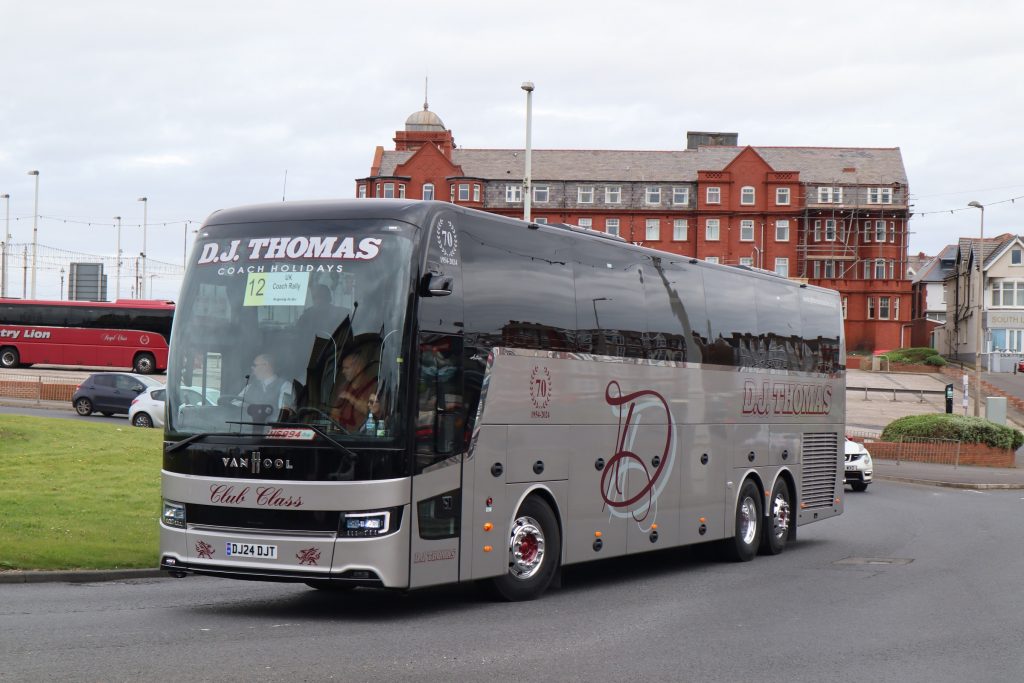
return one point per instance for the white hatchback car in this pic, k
(859, 467)
(147, 410)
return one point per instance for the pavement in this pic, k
(867, 412)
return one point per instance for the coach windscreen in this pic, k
(295, 323)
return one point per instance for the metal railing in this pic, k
(920, 393)
(38, 387)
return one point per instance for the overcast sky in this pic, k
(204, 105)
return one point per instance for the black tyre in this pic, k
(83, 406)
(144, 364)
(9, 357)
(779, 520)
(142, 420)
(743, 546)
(534, 552)
(859, 486)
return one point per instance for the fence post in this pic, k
(899, 451)
(957, 463)
(39, 390)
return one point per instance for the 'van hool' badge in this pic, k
(540, 391)
(447, 242)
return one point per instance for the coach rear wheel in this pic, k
(83, 406)
(743, 546)
(780, 519)
(9, 357)
(534, 552)
(144, 363)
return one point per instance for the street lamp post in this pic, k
(6, 245)
(528, 87)
(62, 284)
(145, 212)
(118, 219)
(979, 325)
(35, 232)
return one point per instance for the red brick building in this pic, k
(833, 216)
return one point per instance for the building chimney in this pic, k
(695, 139)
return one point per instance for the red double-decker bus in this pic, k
(127, 333)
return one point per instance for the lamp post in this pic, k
(118, 270)
(528, 87)
(6, 245)
(62, 284)
(979, 326)
(145, 211)
(35, 232)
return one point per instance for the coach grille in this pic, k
(258, 518)
(821, 462)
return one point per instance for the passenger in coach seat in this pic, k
(350, 403)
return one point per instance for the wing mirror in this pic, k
(436, 284)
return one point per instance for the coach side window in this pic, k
(610, 299)
(674, 297)
(821, 320)
(519, 288)
(441, 417)
(732, 329)
(779, 333)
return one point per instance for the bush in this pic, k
(959, 427)
(936, 360)
(912, 356)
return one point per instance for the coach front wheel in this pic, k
(9, 357)
(534, 552)
(743, 546)
(144, 363)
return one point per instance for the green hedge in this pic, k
(937, 361)
(916, 355)
(961, 427)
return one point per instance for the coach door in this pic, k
(439, 411)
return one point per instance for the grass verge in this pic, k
(75, 495)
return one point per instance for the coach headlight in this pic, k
(174, 514)
(369, 524)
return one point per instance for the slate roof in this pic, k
(883, 166)
(933, 271)
(969, 245)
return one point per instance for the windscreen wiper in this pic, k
(192, 439)
(285, 425)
